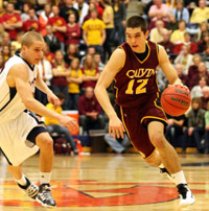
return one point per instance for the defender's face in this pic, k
(136, 38)
(34, 53)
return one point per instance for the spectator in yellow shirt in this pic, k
(74, 81)
(201, 13)
(177, 36)
(53, 126)
(94, 32)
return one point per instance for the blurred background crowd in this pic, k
(80, 37)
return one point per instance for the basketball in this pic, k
(175, 100)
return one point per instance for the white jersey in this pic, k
(11, 105)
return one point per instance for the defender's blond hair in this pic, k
(30, 37)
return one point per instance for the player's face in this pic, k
(136, 38)
(34, 53)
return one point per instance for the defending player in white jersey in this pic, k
(21, 133)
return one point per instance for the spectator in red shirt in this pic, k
(31, 23)
(90, 112)
(58, 26)
(73, 32)
(11, 21)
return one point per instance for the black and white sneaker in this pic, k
(44, 196)
(30, 189)
(185, 194)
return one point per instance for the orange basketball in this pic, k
(175, 100)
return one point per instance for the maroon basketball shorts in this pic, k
(136, 121)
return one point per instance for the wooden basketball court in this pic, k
(108, 182)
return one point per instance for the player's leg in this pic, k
(45, 143)
(155, 160)
(170, 160)
(23, 182)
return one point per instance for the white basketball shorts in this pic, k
(13, 138)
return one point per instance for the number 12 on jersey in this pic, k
(140, 89)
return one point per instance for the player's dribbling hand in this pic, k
(68, 122)
(180, 85)
(116, 128)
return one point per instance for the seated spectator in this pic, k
(98, 62)
(203, 28)
(159, 11)
(25, 10)
(177, 36)
(53, 126)
(193, 45)
(6, 52)
(51, 40)
(156, 33)
(175, 130)
(167, 44)
(195, 77)
(89, 51)
(117, 145)
(207, 129)
(72, 52)
(205, 56)
(200, 13)
(5, 39)
(196, 128)
(180, 72)
(90, 112)
(16, 44)
(74, 81)
(179, 13)
(205, 97)
(196, 91)
(204, 43)
(193, 69)
(184, 58)
(90, 72)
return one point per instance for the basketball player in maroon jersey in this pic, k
(133, 67)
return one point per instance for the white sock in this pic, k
(45, 177)
(22, 181)
(179, 178)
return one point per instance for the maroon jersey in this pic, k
(136, 81)
(137, 95)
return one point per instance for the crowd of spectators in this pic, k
(81, 35)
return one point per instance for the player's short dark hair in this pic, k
(137, 21)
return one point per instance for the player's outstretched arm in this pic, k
(18, 77)
(40, 84)
(113, 66)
